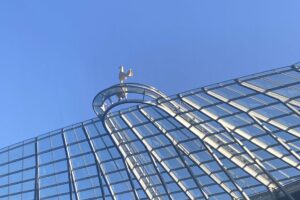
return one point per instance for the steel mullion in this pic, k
(287, 102)
(220, 85)
(273, 88)
(97, 162)
(181, 158)
(142, 139)
(256, 161)
(279, 141)
(70, 168)
(270, 92)
(215, 179)
(224, 169)
(269, 74)
(153, 163)
(261, 165)
(36, 185)
(178, 150)
(123, 158)
(258, 76)
(253, 158)
(245, 164)
(212, 140)
(111, 172)
(142, 111)
(268, 149)
(221, 165)
(291, 106)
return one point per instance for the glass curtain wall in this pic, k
(233, 140)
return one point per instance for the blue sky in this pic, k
(56, 55)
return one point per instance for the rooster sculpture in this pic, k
(124, 75)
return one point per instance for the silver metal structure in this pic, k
(233, 140)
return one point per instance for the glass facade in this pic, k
(234, 140)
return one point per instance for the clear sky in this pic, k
(56, 55)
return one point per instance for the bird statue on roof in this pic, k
(124, 75)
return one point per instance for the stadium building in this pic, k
(238, 139)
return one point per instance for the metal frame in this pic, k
(161, 105)
(205, 114)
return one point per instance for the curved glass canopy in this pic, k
(238, 139)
